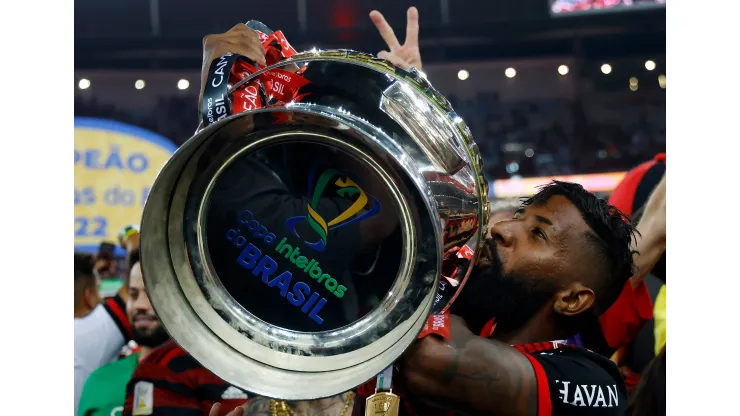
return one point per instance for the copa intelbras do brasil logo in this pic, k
(345, 188)
(298, 293)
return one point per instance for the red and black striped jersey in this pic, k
(570, 381)
(116, 308)
(171, 382)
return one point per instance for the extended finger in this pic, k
(386, 32)
(395, 60)
(215, 409)
(412, 27)
(238, 411)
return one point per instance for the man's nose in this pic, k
(142, 303)
(503, 233)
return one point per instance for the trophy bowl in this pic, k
(296, 250)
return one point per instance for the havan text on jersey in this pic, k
(591, 395)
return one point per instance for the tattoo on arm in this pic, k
(473, 375)
(453, 370)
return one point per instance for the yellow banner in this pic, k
(115, 166)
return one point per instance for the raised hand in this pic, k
(239, 39)
(406, 55)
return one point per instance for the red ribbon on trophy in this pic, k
(271, 87)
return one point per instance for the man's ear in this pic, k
(90, 297)
(574, 299)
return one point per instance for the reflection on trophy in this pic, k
(297, 249)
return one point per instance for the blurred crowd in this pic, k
(609, 132)
(604, 133)
(564, 137)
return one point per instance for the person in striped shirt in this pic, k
(102, 328)
(100, 332)
(105, 389)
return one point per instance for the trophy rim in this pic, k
(338, 371)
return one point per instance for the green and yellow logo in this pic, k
(363, 206)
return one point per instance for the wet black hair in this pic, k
(612, 237)
(84, 264)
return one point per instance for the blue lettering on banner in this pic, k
(85, 196)
(137, 163)
(91, 227)
(114, 159)
(265, 267)
(97, 159)
(118, 196)
(113, 196)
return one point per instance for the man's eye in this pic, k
(539, 233)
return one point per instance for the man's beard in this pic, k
(150, 337)
(511, 299)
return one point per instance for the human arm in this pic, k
(407, 55)
(471, 374)
(479, 376)
(651, 240)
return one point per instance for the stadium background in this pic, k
(572, 88)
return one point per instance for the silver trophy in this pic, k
(297, 250)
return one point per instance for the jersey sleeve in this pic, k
(156, 390)
(99, 337)
(571, 382)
